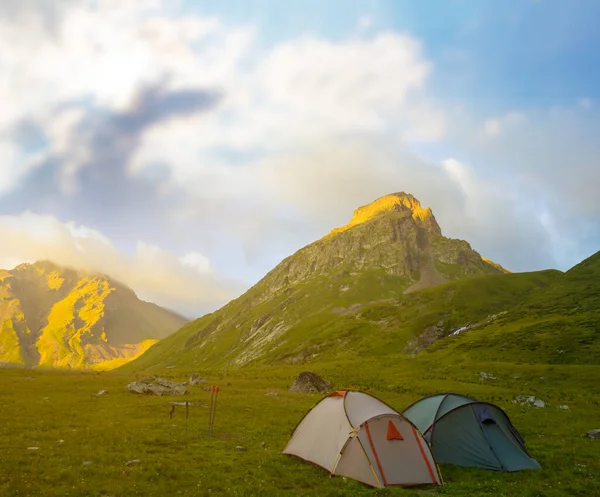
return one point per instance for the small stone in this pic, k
(32, 448)
(87, 463)
(100, 393)
(593, 434)
(133, 461)
(263, 445)
(239, 448)
(196, 379)
(531, 400)
(564, 408)
(272, 393)
(543, 378)
(61, 441)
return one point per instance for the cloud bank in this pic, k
(187, 283)
(150, 121)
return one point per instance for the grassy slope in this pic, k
(336, 318)
(558, 325)
(38, 411)
(110, 430)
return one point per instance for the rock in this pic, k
(272, 393)
(159, 386)
(310, 382)
(87, 463)
(593, 434)
(486, 376)
(196, 379)
(33, 448)
(133, 461)
(263, 445)
(239, 448)
(100, 393)
(529, 400)
(543, 378)
(564, 408)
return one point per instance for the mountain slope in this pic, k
(314, 303)
(558, 325)
(60, 317)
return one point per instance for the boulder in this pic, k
(196, 379)
(159, 386)
(593, 434)
(310, 382)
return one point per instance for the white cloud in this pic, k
(294, 130)
(491, 127)
(197, 261)
(585, 103)
(299, 92)
(364, 23)
(100, 55)
(186, 284)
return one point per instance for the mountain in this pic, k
(372, 286)
(61, 317)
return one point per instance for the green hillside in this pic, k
(315, 321)
(560, 324)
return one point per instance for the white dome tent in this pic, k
(354, 434)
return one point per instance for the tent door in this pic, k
(509, 453)
(398, 460)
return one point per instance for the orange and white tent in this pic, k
(356, 435)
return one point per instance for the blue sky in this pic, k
(210, 140)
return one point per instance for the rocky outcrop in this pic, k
(395, 234)
(158, 386)
(308, 382)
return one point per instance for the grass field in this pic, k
(84, 441)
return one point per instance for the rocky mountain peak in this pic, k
(394, 202)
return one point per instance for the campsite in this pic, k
(271, 248)
(84, 443)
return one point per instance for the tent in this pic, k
(461, 430)
(354, 434)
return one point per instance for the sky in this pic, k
(187, 147)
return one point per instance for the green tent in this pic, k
(464, 431)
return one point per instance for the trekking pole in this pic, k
(214, 409)
(212, 392)
(186, 423)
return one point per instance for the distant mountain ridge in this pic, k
(307, 306)
(61, 317)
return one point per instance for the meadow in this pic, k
(57, 439)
